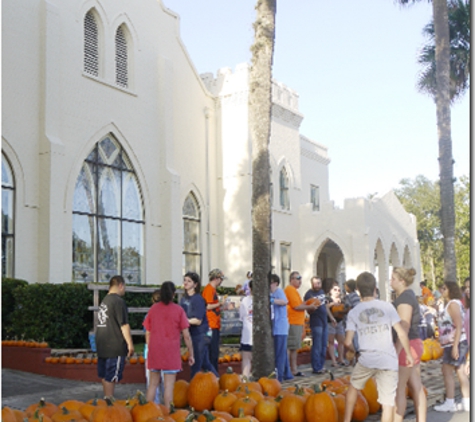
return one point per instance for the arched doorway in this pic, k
(331, 262)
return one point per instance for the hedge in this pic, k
(58, 313)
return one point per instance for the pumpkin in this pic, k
(110, 413)
(229, 380)
(87, 408)
(141, 359)
(241, 417)
(65, 415)
(437, 350)
(87, 361)
(71, 404)
(145, 410)
(224, 401)
(180, 393)
(318, 404)
(340, 403)
(8, 415)
(70, 360)
(361, 410)
(54, 359)
(37, 417)
(292, 408)
(19, 414)
(370, 393)
(267, 411)
(246, 404)
(179, 415)
(339, 311)
(251, 385)
(43, 407)
(331, 383)
(161, 419)
(203, 389)
(270, 385)
(133, 360)
(313, 301)
(214, 415)
(427, 351)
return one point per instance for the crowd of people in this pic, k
(379, 339)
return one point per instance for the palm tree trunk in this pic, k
(442, 60)
(260, 103)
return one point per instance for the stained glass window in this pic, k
(108, 217)
(8, 218)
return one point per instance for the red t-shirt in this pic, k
(165, 324)
(214, 315)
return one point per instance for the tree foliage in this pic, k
(459, 31)
(421, 197)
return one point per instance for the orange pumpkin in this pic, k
(180, 393)
(361, 410)
(267, 411)
(370, 393)
(251, 385)
(340, 403)
(203, 389)
(241, 417)
(229, 380)
(110, 412)
(292, 408)
(313, 301)
(43, 407)
(133, 360)
(270, 385)
(246, 404)
(224, 401)
(179, 415)
(19, 414)
(37, 417)
(89, 407)
(209, 415)
(66, 415)
(318, 404)
(331, 383)
(8, 415)
(144, 410)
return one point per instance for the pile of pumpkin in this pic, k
(432, 350)
(207, 398)
(88, 359)
(24, 343)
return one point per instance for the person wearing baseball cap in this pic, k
(213, 312)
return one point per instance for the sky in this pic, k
(354, 65)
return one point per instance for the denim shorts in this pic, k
(447, 357)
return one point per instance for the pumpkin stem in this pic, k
(317, 388)
(332, 377)
(109, 401)
(241, 413)
(272, 375)
(141, 397)
(191, 417)
(209, 416)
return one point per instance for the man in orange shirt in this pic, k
(296, 314)
(213, 313)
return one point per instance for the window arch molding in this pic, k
(282, 164)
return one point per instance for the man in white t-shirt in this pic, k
(373, 319)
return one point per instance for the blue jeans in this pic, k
(214, 348)
(201, 354)
(319, 346)
(282, 365)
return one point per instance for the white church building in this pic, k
(119, 158)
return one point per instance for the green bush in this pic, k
(56, 313)
(8, 304)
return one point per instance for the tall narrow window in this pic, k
(91, 45)
(285, 263)
(315, 197)
(191, 235)
(8, 226)
(121, 58)
(284, 190)
(108, 217)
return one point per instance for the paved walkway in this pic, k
(20, 389)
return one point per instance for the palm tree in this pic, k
(260, 103)
(459, 31)
(442, 102)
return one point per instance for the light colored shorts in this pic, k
(294, 341)
(339, 329)
(166, 371)
(417, 347)
(386, 382)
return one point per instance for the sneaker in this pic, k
(445, 407)
(462, 408)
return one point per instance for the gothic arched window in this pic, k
(108, 217)
(284, 190)
(121, 58)
(91, 44)
(191, 235)
(8, 219)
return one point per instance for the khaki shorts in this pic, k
(294, 341)
(386, 382)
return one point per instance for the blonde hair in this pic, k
(406, 274)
